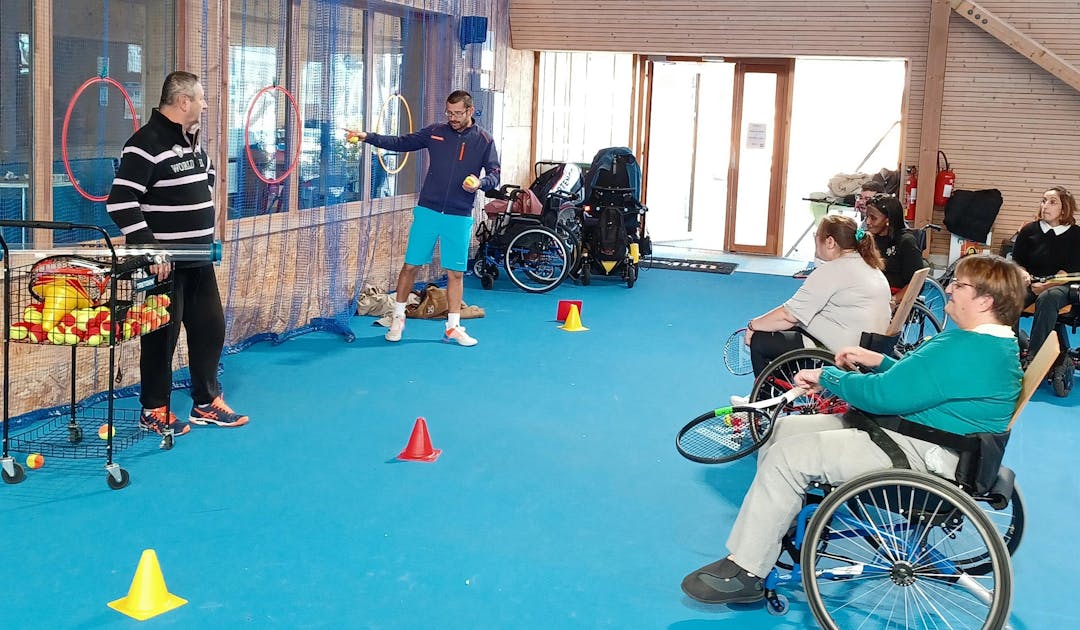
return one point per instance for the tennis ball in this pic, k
(93, 340)
(103, 432)
(19, 331)
(35, 460)
(32, 314)
(472, 181)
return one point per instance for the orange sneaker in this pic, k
(157, 421)
(217, 413)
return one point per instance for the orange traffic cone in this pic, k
(147, 596)
(419, 448)
(573, 320)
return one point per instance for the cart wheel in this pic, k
(125, 479)
(631, 275)
(167, 442)
(19, 475)
(75, 434)
(487, 281)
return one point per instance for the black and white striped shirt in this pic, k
(164, 188)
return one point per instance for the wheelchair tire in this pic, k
(779, 376)
(921, 324)
(933, 297)
(907, 576)
(487, 281)
(586, 273)
(631, 275)
(1061, 377)
(536, 260)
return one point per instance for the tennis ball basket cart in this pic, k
(88, 300)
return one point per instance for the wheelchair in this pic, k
(534, 256)
(1062, 374)
(902, 547)
(605, 229)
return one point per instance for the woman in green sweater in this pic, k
(960, 381)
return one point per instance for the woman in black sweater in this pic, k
(1048, 246)
(885, 220)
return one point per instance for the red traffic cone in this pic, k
(419, 448)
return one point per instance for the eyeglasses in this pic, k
(957, 283)
(456, 115)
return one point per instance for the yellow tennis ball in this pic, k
(35, 460)
(472, 181)
(103, 431)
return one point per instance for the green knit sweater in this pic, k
(957, 381)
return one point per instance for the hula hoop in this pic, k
(67, 120)
(247, 131)
(378, 123)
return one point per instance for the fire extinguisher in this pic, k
(943, 185)
(911, 188)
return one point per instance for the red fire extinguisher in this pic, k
(943, 185)
(911, 188)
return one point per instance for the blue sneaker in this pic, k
(217, 412)
(157, 421)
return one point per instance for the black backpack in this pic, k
(612, 231)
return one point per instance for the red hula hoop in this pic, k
(247, 130)
(67, 119)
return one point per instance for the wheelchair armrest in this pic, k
(1000, 493)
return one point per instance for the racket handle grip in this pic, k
(133, 263)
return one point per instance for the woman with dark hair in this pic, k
(844, 297)
(1049, 245)
(885, 220)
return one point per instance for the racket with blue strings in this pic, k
(728, 433)
(737, 354)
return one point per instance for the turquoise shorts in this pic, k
(452, 232)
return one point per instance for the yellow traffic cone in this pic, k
(147, 596)
(573, 320)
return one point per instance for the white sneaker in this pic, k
(397, 326)
(458, 335)
(739, 401)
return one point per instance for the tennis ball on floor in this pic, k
(103, 431)
(35, 460)
(472, 181)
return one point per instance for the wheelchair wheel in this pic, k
(631, 275)
(536, 260)
(1061, 376)
(1008, 520)
(933, 297)
(779, 376)
(881, 552)
(921, 324)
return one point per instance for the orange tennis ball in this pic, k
(103, 431)
(35, 460)
(472, 181)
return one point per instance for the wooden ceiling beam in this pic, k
(1008, 34)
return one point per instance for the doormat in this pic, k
(706, 266)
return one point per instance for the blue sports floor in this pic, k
(559, 500)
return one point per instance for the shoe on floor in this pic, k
(724, 582)
(739, 401)
(397, 326)
(458, 335)
(217, 412)
(157, 420)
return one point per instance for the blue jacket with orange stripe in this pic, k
(454, 156)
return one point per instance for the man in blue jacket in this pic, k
(457, 150)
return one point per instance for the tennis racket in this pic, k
(728, 433)
(737, 354)
(1056, 280)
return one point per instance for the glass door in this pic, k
(689, 145)
(759, 139)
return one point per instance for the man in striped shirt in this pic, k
(163, 195)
